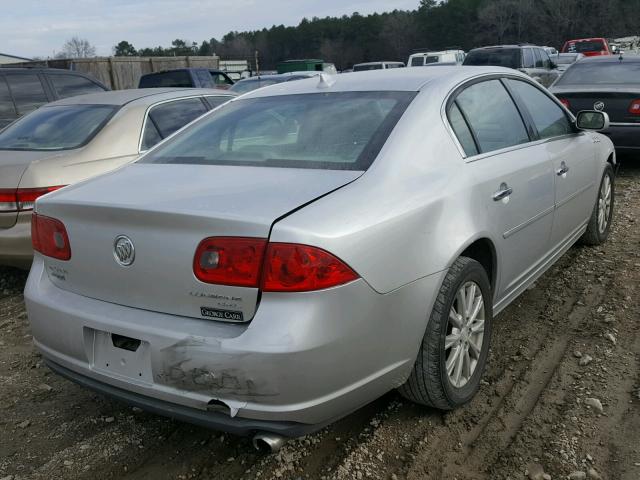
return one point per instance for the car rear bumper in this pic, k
(303, 361)
(626, 137)
(15, 243)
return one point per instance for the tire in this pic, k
(429, 383)
(595, 234)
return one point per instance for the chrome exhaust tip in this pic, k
(266, 442)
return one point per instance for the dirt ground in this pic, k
(571, 337)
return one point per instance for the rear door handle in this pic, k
(504, 191)
(562, 170)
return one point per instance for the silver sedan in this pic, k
(312, 245)
(73, 139)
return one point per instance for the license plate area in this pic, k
(120, 356)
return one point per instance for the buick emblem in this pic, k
(598, 106)
(123, 250)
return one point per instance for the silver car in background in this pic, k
(73, 139)
(311, 245)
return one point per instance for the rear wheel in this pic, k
(600, 222)
(455, 346)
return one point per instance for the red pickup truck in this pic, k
(589, 47)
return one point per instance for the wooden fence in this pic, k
(119, 73)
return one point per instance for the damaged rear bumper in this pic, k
(216, 420)
(303, 361)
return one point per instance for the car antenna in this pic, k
(326, 80)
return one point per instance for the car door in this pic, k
(513, 178)
(573, 156)
(551, 74)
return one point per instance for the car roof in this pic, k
(144, 95)
(584, 39)
(495, 47)
(377, 63)
(394, 79)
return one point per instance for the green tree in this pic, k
(124, 49)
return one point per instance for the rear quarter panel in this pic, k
(408, 216)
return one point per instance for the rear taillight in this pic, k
(565, 102)
(22, 199)
(634, 108)
(283, 267)
(302, 268)
(49, 237)
(233, 261)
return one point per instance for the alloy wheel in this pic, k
(604, 204)
(465, 334)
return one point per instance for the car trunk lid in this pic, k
(614, 102)
(166, 211)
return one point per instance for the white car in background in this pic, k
(421, 59)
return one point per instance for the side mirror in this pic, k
(592, 120)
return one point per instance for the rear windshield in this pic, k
(503, 57)
(594, 73)
(586, 46)
(61, 127)
(333, 131)
(180, 78)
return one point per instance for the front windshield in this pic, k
(61, 127)
(601, 73)
(335, 131)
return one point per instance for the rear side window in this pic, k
(549, 119)
(527, 58)
(461, 129)
(219, 79)
(333, 131)
(216, 101)
(72, 85)
(60, 127)
(6, 103)
(431, 59)
(492, 116)
(205, 78)
(180, 78)
(538, 56)
(27, 90)
(169, 117)
(417, 61)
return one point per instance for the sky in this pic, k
(30, 28)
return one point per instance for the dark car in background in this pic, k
(22, 90)
(259, 81)
(610, 84)
(186, 78)
(529, 59)
(565, 60)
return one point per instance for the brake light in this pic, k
(302, 268)
(49, 237)
(22, 199)
(565, 102)
(634, 108)
(235, 261)
(283, 267)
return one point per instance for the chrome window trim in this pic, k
(623, 124)
(490, 76)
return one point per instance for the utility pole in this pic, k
(257, 63)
